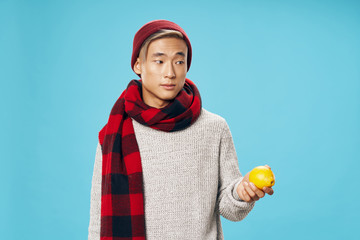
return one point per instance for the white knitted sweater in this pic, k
(190, 179)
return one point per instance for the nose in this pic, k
(170, 73)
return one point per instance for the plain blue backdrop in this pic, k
(284, 74)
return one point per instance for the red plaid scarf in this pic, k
(122, 196)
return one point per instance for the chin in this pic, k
(168, 98)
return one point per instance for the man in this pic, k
(165, 168)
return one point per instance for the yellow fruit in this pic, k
(262, 176)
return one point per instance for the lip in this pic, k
(168, 86)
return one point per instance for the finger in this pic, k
(257, 191)
(268, 190)
(250, 192)
(246, 196)
(243, 194)
(239, 190)
(267, 166)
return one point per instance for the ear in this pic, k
(137, 66)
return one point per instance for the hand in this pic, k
(248, 192)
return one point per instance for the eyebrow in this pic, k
(158, 54)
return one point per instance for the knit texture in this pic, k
(190, 179)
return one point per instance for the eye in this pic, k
(180, 62)
(158, 61)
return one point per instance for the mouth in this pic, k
(168, 86)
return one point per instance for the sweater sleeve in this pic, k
(95, 200)
(230, 205)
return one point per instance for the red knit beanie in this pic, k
(151, 27)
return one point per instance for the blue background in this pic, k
(284, 74)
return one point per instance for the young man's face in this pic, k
(164, 71)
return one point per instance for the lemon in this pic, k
(262, 176)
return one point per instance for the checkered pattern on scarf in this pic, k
(122, 196)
